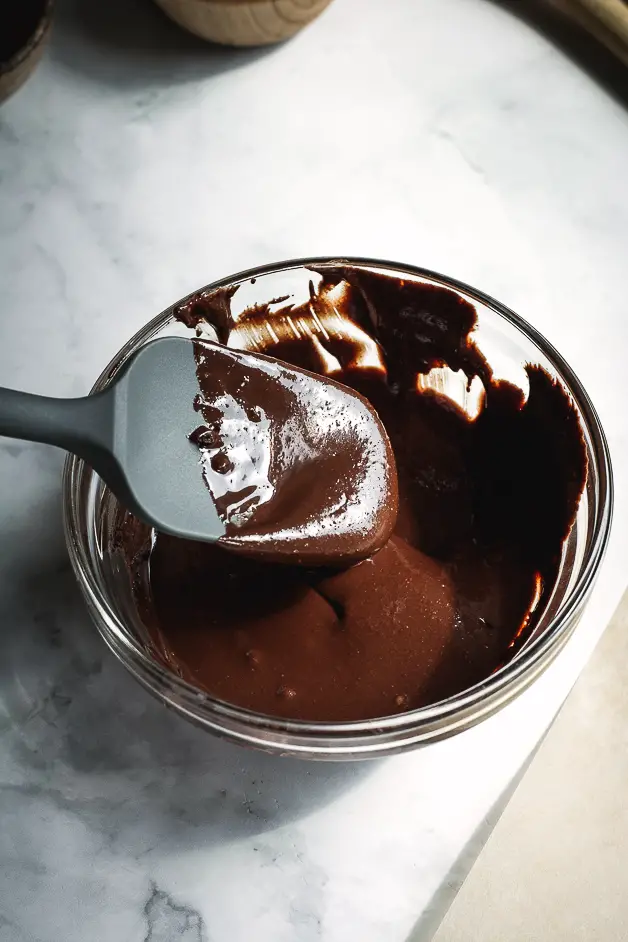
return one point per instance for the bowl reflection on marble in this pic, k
(91, 512)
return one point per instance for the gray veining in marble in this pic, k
(139, 164)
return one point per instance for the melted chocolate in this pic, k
(484, 507)
(299, 467)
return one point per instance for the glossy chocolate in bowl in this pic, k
(299, 467)
(485, 503)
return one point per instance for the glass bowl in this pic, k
(509, 343)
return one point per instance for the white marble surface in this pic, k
(137, 165)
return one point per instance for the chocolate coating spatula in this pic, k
(136, 435)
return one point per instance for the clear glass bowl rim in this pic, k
(353, 739)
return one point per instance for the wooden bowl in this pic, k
(24, 29)
(243, 22)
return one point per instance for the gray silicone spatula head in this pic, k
(155, 470)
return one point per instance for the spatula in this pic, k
(143, 437)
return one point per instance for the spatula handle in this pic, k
(82, 426)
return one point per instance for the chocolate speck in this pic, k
(221, 463)
(287, 692)
(253, 657)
